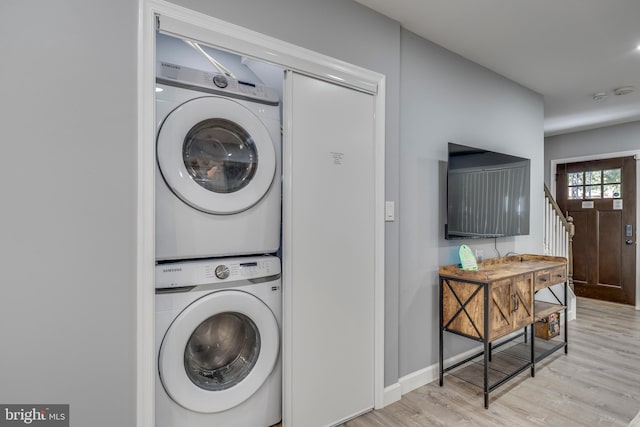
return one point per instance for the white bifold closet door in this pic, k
(328, 256)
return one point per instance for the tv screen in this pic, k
(487, 194)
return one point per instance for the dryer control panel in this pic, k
(215, 83)
(216, 270)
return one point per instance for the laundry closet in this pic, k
(268, 237)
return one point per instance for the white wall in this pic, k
(446, 98)
(67, 228)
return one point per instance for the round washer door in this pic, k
(218, 351)
(216, 155)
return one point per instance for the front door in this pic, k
(601, 197)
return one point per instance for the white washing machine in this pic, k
(218, 181)
(218, 343)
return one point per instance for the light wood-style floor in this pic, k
(596, 384)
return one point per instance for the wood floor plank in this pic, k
(596, 384)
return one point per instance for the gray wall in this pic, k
(611, 139)
(69, 180)
(68, 221)
(446, 98)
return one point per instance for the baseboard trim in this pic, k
(419, 378)
(572, 305)
(431, 373)
(392, 394)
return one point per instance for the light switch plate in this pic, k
(389, 211)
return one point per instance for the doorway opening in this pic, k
(205, 30)
(600, 195)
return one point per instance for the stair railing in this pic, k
(558, 233)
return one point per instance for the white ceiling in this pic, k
(566, 50)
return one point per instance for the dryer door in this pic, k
(219, 351)
(216, 155)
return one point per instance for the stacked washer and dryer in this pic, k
(218, 205)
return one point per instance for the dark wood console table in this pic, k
(496, 305)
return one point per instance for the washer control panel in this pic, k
(215, 270)
(216, 83)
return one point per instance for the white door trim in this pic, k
(181, 22)
(259, 46)
(146, 361)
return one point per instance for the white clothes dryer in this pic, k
(218, 148)
(218, 343)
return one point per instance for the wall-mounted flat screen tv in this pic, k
(487, 194)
